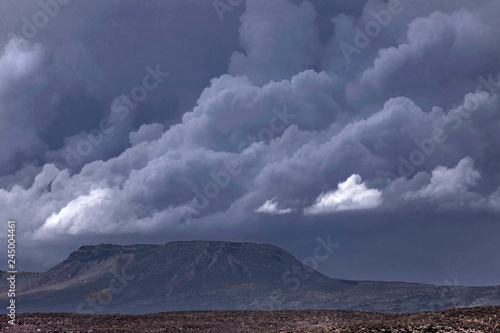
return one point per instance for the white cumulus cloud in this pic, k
(350, 195)
(74, 217)
(271, 207)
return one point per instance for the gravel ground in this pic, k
(479, 319)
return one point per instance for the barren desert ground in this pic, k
(480, 319)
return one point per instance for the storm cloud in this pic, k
(130, 121)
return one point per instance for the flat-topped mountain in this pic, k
(208, 275)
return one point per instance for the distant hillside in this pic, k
(208, 275)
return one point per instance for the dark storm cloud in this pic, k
(20, 62)
(285, 41)
(425, 68)
(94, 52)
(255, 130)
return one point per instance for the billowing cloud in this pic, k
(350, 195)
(146, 133)
(414, 68)
(447, 182)
(20, 60)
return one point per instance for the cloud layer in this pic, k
(260, 106)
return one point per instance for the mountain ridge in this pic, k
(219, 275)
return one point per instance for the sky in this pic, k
(369, 124)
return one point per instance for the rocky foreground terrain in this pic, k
(479, 319)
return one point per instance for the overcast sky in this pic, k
(375, 123)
